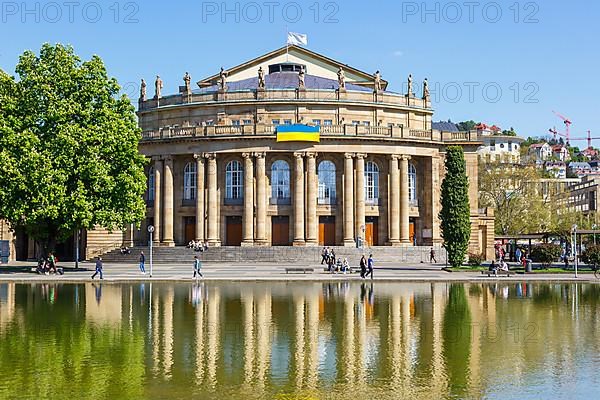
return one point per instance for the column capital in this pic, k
(199, 156)
(210, 156)
(349, 155)
(247, 155)
(168, 159)
(405, 157)
(156, 158)
(310, 154)
(260, 154)
(395, 156)
(298, 154)
(361, 155)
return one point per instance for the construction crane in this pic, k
(567, 123)
(554, 132)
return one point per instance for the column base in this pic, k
(349, 243)
(312, 242)
(247, 243)
(394, 243)
(214, 243)
(261, 242)
(405, 242)
(169, 243)
(299, 243)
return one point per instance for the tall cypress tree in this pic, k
(454, 216)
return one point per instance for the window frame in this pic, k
(280, 182)
(371, 183)
(327, 181)
(234, 182)
(190, 181)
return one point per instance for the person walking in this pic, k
(142, 261)
(323, 255)
(370, 263)
(432, 256)
(363, 266)
(197, 267)
(98, 268)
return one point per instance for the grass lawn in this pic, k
(521, 270)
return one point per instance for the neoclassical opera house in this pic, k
(296, 149)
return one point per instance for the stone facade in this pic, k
(216, 159)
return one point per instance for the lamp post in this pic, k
(594, 227)
(151, 231)
(575, 247)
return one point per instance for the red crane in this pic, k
(554, 132)
(567, 123)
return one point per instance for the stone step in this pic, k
(284, 255)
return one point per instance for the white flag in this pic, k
(297, 39)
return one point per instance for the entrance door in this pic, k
(233, 234)
(327, 230)
(371, 231)
(411, 232)
(280, 230)
(189, 224)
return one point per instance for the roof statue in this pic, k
(223, 79)
(158, 85)
(261, 78)
(341, 78)
(143, 90)
(377, 77)
(301, 77)
(188, 81)
(425, 89)
(410, 86)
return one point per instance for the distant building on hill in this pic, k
(539, 151)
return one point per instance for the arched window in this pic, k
(326, 172)
(280, 182)
(189, 181)
(372, 183)
(412, 183)
(234, 180)
(151, 181)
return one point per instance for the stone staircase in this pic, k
(284, 255)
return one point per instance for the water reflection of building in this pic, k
(7, 304)
(103, 303)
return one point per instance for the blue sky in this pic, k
(542, 56)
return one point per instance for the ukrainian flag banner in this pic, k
(298, 133)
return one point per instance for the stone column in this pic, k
(360, 195)
(261, 199)
(348, 200)
(311, 200)
(404, 205)
(158, 168)
(199, 197)
(168, 204)
(299, 200)
(248, 217)
(213, 202)
(394, 207)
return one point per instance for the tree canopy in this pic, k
(68, 147)
(455, 213)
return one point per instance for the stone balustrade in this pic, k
(326, 130)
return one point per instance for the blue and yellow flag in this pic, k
(298, 133)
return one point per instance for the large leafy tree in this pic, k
(68, 147)
(455, 213)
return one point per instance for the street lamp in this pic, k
(151, 231)
(574, 228)
(594, 227)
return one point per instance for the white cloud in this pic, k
(397, 53)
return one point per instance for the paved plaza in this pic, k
(119, 272)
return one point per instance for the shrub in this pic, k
(546, 253)
(476, 260)
(591, 255)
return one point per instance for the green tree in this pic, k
(455, 213)
(509, 132)
(466, 125)
(68, 147)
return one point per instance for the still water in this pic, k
(299, 341)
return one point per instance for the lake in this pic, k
(292, 340)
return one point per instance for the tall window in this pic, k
(234, 180)
(326, 172)
(412, 183)
(151, 181)
(280, 181)
(371, 183)
(189, 181)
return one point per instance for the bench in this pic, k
(297, 269)
(499, 272)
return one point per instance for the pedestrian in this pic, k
(52, 262)
(518, 255)
(142, 261)
(370, 263)
(323, 255)
(98, 268)
(432, 256)
(363, 266)
(197, 267)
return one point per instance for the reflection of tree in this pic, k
(457, 339)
